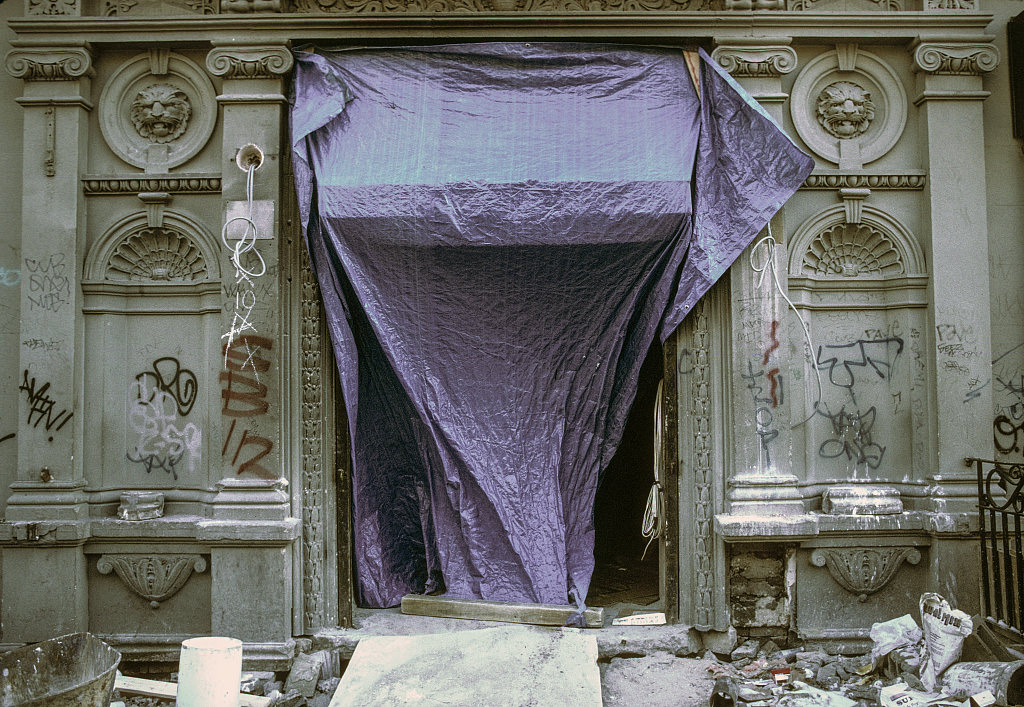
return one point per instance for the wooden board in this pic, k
(169, 691)
(482, 610)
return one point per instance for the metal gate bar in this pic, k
(1000, 501)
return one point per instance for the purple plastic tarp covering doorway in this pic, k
(499, 232)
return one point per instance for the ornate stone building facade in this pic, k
(827, 466)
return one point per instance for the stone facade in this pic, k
(815, 474)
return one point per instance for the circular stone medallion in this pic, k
(865, 105)
(157, 122)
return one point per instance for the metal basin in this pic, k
(68, 671)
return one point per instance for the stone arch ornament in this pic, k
(157, 114)
(849, 107)
(134, 250)
(828, 246)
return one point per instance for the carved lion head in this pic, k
(160, 112)
(845, 109)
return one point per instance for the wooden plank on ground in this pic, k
(508, 611)
(169, 691)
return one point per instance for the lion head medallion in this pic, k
(161, 112)
(845, 110)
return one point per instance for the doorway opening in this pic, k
(625, 576)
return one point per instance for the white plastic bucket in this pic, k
(209, 672)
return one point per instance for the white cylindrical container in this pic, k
(209, 672)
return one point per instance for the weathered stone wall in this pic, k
(1005, 170)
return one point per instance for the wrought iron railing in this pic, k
(1000, 524)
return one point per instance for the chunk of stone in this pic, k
(291, 698)
(748, 693)
(254, 682)
(817, 657)
(305, 673)
(328, 685)
(721, 642)
(769, 647)
(747, 649)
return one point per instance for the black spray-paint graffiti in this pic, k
(878, 355)
(169, 377)
(849, 434)
(6, 437)
(1007, 434)
(48, 284)
(851, 437)
(41, 406)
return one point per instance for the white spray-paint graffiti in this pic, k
(253, 267)
(163, 440)
(9, 277)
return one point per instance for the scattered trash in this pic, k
(74, 669)
(1004, 680)
(891, 674)
(656, 618)
(804, 695)
(890, 635)
(944, 631)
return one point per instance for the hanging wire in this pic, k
(246, 243)
(768, 243)
(654, 512)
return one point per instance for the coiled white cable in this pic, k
(654, 512)
(245, 244)
(769, 266)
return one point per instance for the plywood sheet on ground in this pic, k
(511, 666)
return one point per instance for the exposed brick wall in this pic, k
(759, 600)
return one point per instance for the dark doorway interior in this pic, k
(620, 576)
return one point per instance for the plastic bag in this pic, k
(887, 636)
(945, 629)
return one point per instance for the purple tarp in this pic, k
(499, 232)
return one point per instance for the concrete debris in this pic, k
(255, 682)
(747, 650)
(305, 673)
(890, 675)
(328, 685)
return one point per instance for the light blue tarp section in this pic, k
(499, 232)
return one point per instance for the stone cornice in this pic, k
(764, 59)
(955, 58)
(96, 185)
(670, 27)
(249, 61)
(49, 63)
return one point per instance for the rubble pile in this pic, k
(311, 682)
(906, 667)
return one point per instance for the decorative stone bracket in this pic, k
(863, 571)
(155, 578)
